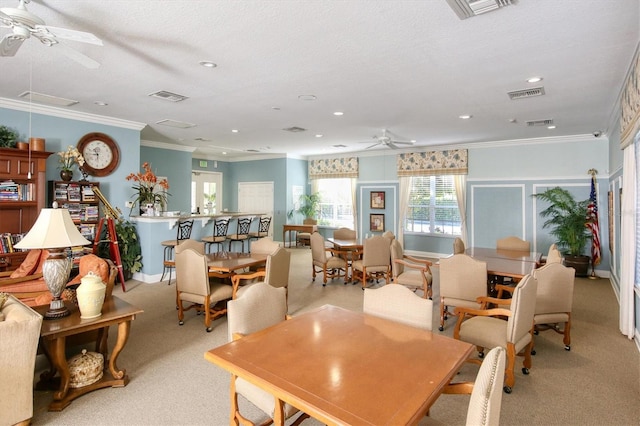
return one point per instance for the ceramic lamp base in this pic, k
(55, 271)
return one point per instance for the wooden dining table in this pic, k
(224, 264)
(330, 363)
(506, 263)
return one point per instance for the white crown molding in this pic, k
(71, 115)
(165, 145)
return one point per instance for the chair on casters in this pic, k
(220, 227)
(184, 233)
(375, 262)
(242, 232)
(330, 266)
(410, 271)
(458, 246)
(397, 303)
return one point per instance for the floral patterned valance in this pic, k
(332, 168)
(630, 108)
(450, 162)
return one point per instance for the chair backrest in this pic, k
(389, 236)
(221, 226)
(277, 268)
(397, 303)
(309, 221)
(513, 243)
(244, 223)
(184, 229)
(344, 234)
(376, 251)
(264, 246)
(318, 250)
(463, 277)
(263, 225)
(190, 243)
(486, 396)
(259, 307)
(554, 255)
(396, 253)
(458, 246)
(555, 288)
(523, 307)
(192, 272)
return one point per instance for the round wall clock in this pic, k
(100, 152)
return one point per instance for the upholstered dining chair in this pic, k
(330, 266)
(486, 392)
(259, 307)
(513, 243)
(410, 271)
(264, 223)
(219, 236)
(242, 232)
(344, 234)
(462, 280)
(264, 246)
(184, 228)
(510, 328)
(375, 262)
(304, 238)
(194, 287)
(398, 303)
(276, 273)
(554, 255)
(458, 246)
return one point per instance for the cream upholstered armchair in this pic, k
(375, 262)
(193, 286)
(554, 255)
(259, 307)
(510, 328)
(276, 273)
(458, 246)
(462, 280)
(264, 246)
(398, 303)
(410, 271)
(19, 335)
(330, 266)
(513, 243)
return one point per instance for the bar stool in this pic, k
(183, 233)
(220, 228)
(263, 229)
(242, 232)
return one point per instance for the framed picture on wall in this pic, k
(376, 222)
(377, 199)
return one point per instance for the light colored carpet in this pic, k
(596, 383)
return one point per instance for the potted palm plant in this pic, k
(567, 219)
(309, 206)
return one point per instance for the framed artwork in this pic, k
(376, 222)
(377, 199)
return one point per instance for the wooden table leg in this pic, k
(278, 413)
(123, 335)
(56, 350)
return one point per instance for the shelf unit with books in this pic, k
(21, 198)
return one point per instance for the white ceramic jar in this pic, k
(90, 295)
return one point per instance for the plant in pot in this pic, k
(309, 206)
(8, 137)
(567, 219)
(129, 244)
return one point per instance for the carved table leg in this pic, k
(123, 335)
(56, 349)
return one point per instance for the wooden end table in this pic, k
(53, 336)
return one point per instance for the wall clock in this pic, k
(101, 154)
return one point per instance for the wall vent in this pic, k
(526, 93)
(468, 8)
(174, 123)
(294, 129)
(537, 123)
(168, 96)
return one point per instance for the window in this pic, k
(335, 203)
(433, 206)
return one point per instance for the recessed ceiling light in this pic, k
(234, 130)
(224, 152)
(208, 64)
(551, 127)
(413, 141)
(101, 103)
(534, 79)
(466, 116)
(338, 113)
(307, 97)
(319, 136)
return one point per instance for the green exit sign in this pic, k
(203, 163)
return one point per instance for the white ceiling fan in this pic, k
(25, 24)
(387, 141)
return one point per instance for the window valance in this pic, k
(334, 168)
(630, 108)
(449, 162)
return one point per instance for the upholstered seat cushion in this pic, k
(489, 332)
(238, 236)
(333, 262)
(218, 292)
(358, 265)
(212, 239)
(412, 278)
(559, 317)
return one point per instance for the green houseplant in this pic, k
(309, 206)
(129, 244)
(567, 219)
(8, 137)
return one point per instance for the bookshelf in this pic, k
(83, 206)
(21, 199)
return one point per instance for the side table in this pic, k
(53, 337)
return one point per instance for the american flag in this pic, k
(592, 223)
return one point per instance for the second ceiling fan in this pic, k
(386, 140)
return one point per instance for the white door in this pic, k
(206, 192)
(256, 197)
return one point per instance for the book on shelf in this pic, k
(7, 241)
(61, 191)
(87, 193)
(73, 192)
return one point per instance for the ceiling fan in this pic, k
(387, 141)
(25, 24)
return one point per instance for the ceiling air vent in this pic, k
(174, 123)
(294, 129)
(168, 96)
(537, 123)
(253, 150)
(47, 99)
(526, 93)
(468, 8)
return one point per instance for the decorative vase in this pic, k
(90, 296)
(66, 175)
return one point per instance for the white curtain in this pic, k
(404, 188)
(460, 182)
(354, 210)
(628, 244)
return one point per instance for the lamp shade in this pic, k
(54, 228)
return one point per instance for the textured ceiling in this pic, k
(408, 66)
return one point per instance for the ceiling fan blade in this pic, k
(67, 34)
(375, 144)
(80, 58)
(10, 44)
(402, 143)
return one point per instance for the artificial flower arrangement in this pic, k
(70, 157)
(147, 182)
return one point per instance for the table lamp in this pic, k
(54, 230)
